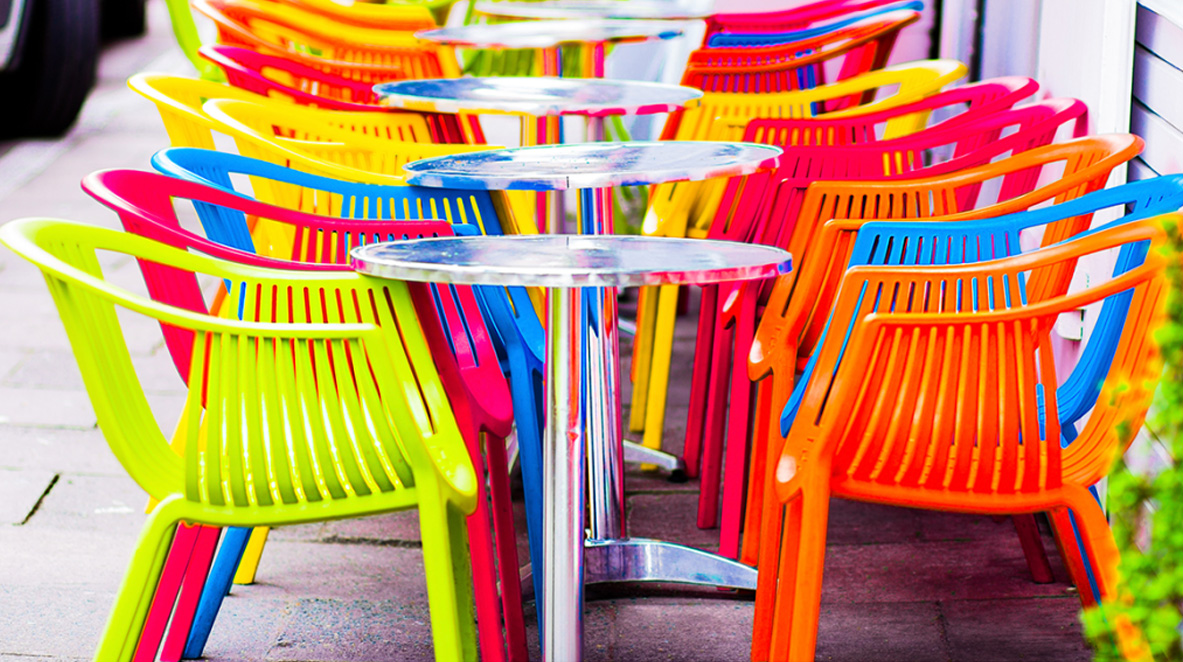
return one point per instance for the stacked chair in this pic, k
(906, 360)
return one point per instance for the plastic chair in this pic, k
(411, 457)
(463, 354)
(516, 331)
(374, 55)
(732, 39)
(877, 423)
(689, 209)
(277, 77)
(793, 18)
(397, 16)
(847, 51)
(764, 209)
(792, 325)
(730, 322)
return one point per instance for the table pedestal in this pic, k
(583, 415)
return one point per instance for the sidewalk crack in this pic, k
(41, 499)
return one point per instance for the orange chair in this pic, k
(933, 392)
(367, 54)
(796, 310)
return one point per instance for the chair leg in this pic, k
(484, 574)
(1028, 530)
(507, 549)
(449, 582)
(778, 390)
(716, 420)
(757, 468)
(703, 344)
(172, 575)
(126, 622)
(249, 565)
(191, 590)
(659, 372)
(642, 357)
(217, 586)
(1097, 546)
(799, 586)
(738, 419)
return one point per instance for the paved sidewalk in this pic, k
(899, 585)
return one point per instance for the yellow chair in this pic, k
(687, 208)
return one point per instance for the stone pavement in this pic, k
(899, 584)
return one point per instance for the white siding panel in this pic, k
(1164, 143)
(1158, 86)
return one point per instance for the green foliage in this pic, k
(1146, 514)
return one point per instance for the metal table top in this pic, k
(591, 165)
(581, 9)
(569, 260)
(549, 34)
(538, 97)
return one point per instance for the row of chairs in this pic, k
(329, 178)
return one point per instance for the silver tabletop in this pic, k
(591, 165)
(537, 97)
(569, 260)
(550, 34)
(581, 9)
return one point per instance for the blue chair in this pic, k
(516, 332)
(997, 238)
(738, 39)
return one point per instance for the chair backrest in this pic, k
(724, 115)
(451, 318)
(178, 99)
(278, 77)
(357, 372)
(945, 108)
(400, 17)
(793, 18)
(847, 52)
(1087, 163)
(334, 143)
(315, 40)
(945, 377)
(731, 39)
(776, 196)
(326, 196)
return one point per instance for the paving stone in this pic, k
(392, 528)
(931, 571)
(688, 633)
(9, 360)
(358, 630)
(57, 450)
(54, 408)
(34, 627)
(1024, 629)
(669, 517)
(854, 523)
(102, 504)
(20, 490)
(880, 631)
(338, 571)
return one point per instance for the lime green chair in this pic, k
(337, 413)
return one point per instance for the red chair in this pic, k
(787, 19)
(459, 343)
(276, 76)
(846, 52)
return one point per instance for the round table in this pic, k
(537, 98)
(548, 36)
(567, 265)
(582, 9)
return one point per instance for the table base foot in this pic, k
(638, 454)
(645, 560)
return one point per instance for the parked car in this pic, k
(48, 55)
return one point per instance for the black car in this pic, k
(48, 54)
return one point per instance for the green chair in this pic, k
(335, 412)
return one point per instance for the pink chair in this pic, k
(275, 76)
(771, 203)
(784, 20)
(468, 368)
